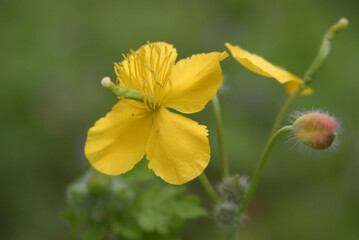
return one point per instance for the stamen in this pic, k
(119, 72)
(148, 69)
(135, 73)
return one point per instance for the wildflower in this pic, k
(315, 129)
(177, 148)
(261, 66)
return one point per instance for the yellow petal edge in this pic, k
(117, 142)
(178, 148)
(195, 81)
(262, 67)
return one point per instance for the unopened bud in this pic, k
(226, 214)
(315, 129)
(106, 82)
(99, 183)
(344, 22)
(233, 188)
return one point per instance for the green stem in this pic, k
(127, 93)
(324, 50)
(307, 79)
(311, 72)
(283, 110)
(219, 125)
(209, 188)
(258, 172)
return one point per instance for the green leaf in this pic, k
(164, 209)
(122, 211)
(126, 228)
(154, 208)
(188, 207)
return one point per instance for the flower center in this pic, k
(147, 70)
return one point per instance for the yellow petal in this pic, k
(292, 86)
(261, 66)
(178, 148)
(195, 81)
(118, 141)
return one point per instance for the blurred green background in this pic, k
(54, 53)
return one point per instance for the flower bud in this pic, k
(106, 82)
(226, 214)
(315, 129)
(99, 183)
(233, 188)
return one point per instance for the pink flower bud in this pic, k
(317, 130)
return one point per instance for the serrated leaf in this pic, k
(157, 213)
(126, 228)
(165, 209)
(154, 208)
(188, 207)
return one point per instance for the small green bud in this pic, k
(233, 188)
(226, 214)
(231, 192)
(98, 183)
(106, 82)
(122, 191)
(340, 25)
(316, 130)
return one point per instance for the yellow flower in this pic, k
(177, 148)
(259, 65)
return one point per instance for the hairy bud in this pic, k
(231, 192)
(99, 183)
(315, 129)
(226, 214)
(233, 188)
